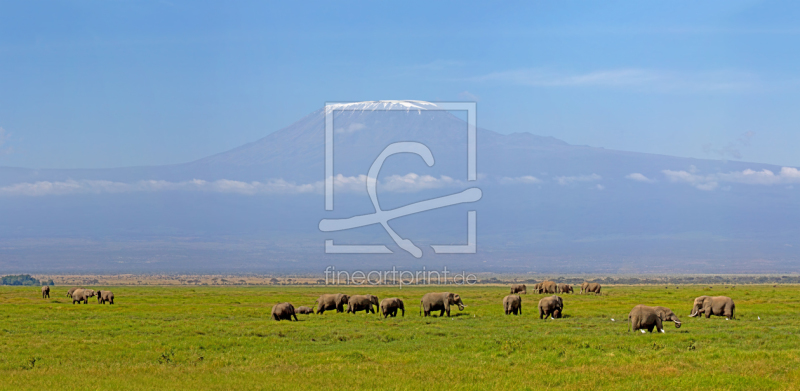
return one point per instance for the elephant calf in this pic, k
(519, 288)
(512, 304)
(390, 306)
(332, 301)
(362, 303)
(440, 301)
(45, 292)
(105, 297)
(716, 305)
(565, 288)
(304, 310)
(82, 295)
(283, 311)
(643, 317)
(551, 307)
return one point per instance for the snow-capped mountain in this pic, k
(546, 205)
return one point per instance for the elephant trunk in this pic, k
(695, 312)
(677, 324)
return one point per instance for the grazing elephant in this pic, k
(537, 288)
(519, 288)
(332, 301)
(440, 301)
(644, 317)
(512, 304)
(362, 303)
(551, 306)
(72, 290)
(105, 297)
(304, 310)
(283, 311)
(565, 288)
(592, 287)
(717, 305)
(390, 307)
(548, 287)
(45, 292)
(82, 295)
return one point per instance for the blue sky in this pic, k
(119, 83)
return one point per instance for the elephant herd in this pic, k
(81, 295)
(430, 302)
(552, 287)
(642, 317)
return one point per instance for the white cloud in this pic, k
(639, 177)
(43, 188)
(600, 187)
(526, 179)
(646, 79)
(567, 180)
(348, 184)
(787, 175)
(413, 182)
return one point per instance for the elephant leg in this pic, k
(659, 325)
(295, 317)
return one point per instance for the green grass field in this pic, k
(223, 338)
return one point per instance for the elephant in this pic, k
(362, 303)
(537, 288)
(390, 307)
(45, 292)
(82, 295)
(283, 311)
(304, 310)
(551, 306)
(644, 317)
(332, 301)
(565, 288)
(105, 296)
(548, 287)
(440, 301)
(519, 288)
(72, 290)
(590, 287)
(717, 305)
(512, 304)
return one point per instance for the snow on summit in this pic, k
(406, 105)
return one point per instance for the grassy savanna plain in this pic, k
(205, 337)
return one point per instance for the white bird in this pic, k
(612, 319)
(759, 318)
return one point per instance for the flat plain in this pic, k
(222, 337)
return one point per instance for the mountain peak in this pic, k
(407, 105)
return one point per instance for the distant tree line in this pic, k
(23, 279)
